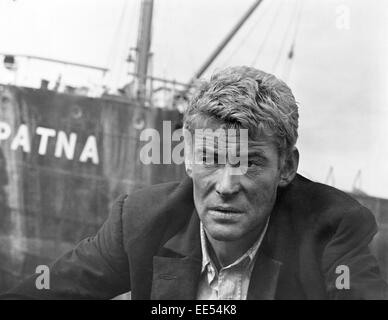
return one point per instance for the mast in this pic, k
(225, 41)
(143, 49)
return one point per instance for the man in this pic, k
(251, 229)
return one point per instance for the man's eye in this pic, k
(252, 163)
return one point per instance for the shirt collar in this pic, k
(250, 253)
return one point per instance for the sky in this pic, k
(339, 72)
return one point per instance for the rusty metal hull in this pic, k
(48, 201)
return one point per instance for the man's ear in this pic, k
(289, 167)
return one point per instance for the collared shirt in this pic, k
(232, 281)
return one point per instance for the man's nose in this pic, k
(228, 184)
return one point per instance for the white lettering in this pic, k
(153, 146)
(167, 142)
(343, 280)
(343, 17)
(65, 145)
(43, 280)
(90, 151)
(179, 311)
(45, 134)
(22, 139)
(177, 155)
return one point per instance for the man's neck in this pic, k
(224, 253)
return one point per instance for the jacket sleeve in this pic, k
(351, 271)
(97, 268)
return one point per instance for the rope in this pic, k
(284, 40)
(274, 18)
(290, 59)
(116, 35)
(253, 27)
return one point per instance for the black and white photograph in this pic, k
(193, 150)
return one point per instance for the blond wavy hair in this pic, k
(244, 97)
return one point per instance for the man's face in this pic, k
(232, 205)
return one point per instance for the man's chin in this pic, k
(224, 233)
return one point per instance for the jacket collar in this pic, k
(177, 276)
(187, 242)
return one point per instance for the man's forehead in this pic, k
(230, 138)
(210, 125)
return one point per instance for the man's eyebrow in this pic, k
(251, 153)
(257, 153)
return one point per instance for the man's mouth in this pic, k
(226, 210)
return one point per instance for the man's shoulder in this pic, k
(151, 195)
(150, 205)
(324, 202)
(323, 194)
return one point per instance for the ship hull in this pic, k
(63, 161)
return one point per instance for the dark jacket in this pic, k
(150, 244)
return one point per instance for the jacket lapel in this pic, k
(264, 278)
(175, 278)
(177, 267)
(270, 256)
